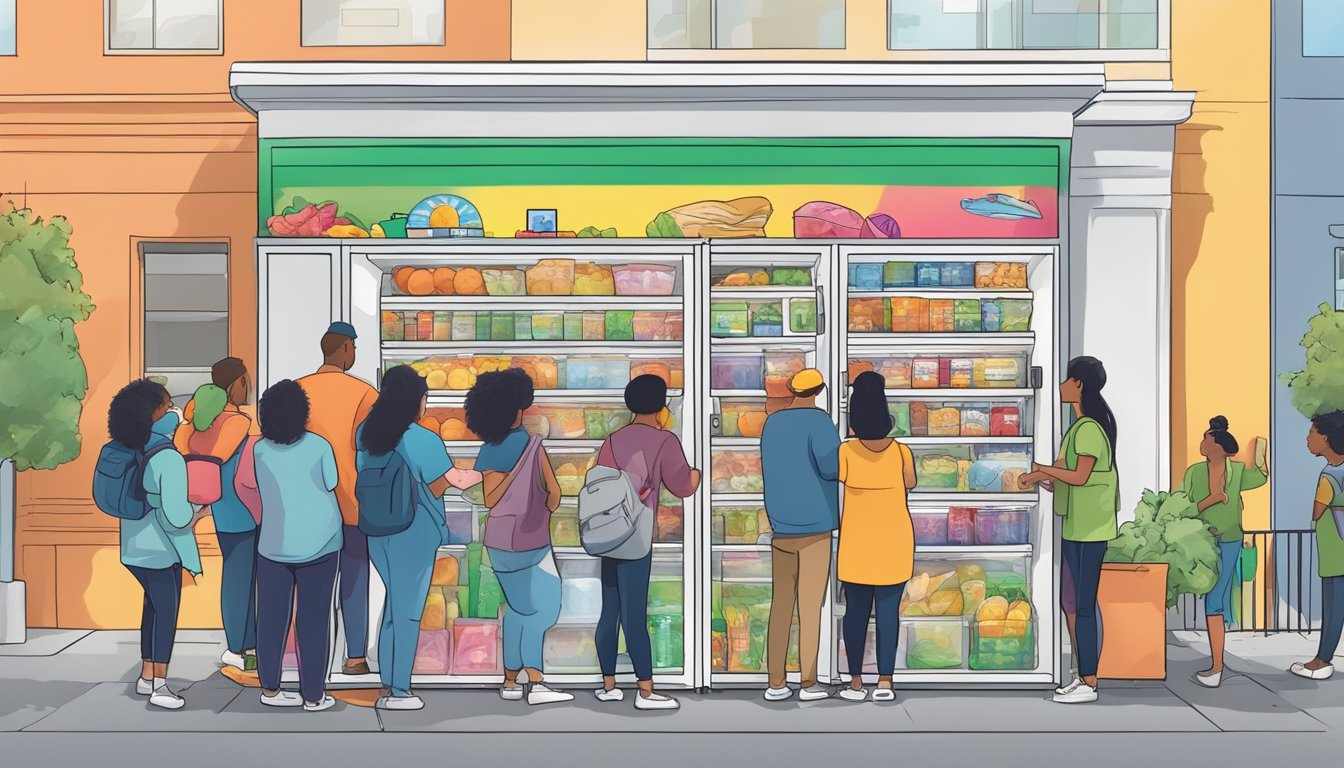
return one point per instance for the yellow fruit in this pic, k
(1020, 610)
(918, 587)
(377, 231)
(436, 379)
(945, 602)
(991, 628)
(760, 278)
(972, 594)
(993, 609)
(421, 283)
(947, 580)
(970, 572)
(461, 379)
(444, 217)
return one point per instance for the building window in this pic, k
(165, 26)
(372, 22)
(8, 28)
(1322, 28)
(1027, 24)
(1339, 278)
(746, 24)
(186, 306)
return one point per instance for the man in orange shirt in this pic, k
(338, 403)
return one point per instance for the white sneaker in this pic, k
(143, 687)
(852, 694)
(235, 660)
(1081, 694)
(655, 701)
(1209, 681)
(1068, 687)
(814, 693)
(165, 698)
(400, 703)
(540, 694)
(284, 699)
(511, 694)
(884, 694)
(326, 703)
(1324, 673)
(615, 694)
(778, 694)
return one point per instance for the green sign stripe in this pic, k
(809, 142)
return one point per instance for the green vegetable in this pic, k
(1316, 388)
(595, 232)
(298, 205)
(355, 220)
(1167, 529)
(663, 225)
(770, 313)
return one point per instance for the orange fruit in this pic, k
(443, 280)
(401, 277)
(420, 283)
(431, 423)
(469, 282)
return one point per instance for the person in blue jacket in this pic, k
(159, 546)
(405, 560)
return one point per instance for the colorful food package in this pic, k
(924, 373)
(896, 372)
(543, 370)
(669, 371)
(900, 419)
(909, 314)
(1005, 421)
(672, 329)
(928, 274)
(941, 315)
(919, 419)
(594, 326)
(944, 372)
(1016, 315)
(1002, 527)
(504, 281)
(593, 280)
(865, 277)
(993, 274)
(957, 274)
(447, 572)
(961, 526)
(393, 326)
(742, 217)
(475, 647)
(620, 325)
(737, 371)
(898, 274)
(944, 422)
(974, 420)
(930, 528)
(736, 472)
(668, 524)
(573, 326)
(802, 315)
(435, 614)
(464, 326)
(936, 471)
(997, 372)
(551, 277)
(443, 326)
(991, 316)
(645, 280)
(935, 645)
(647, 325)
(501, 326)
(962, 373)
(569, 474)
(522, 326)
(966, 316)
(432, 652)
(869, 316)
(780, 366)
(832, 221)
(483, 326)
(767, 320)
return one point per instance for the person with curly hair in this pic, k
(1325, 439)
(159, 546)
(405, 560)
(298, 546)
(521, 492)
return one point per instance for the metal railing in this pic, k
(1283, 596)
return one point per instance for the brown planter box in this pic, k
(1132, 600)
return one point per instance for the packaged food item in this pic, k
(566, 422)
(869, 315)
(865, 277)
(803, 315)
(898, 274)
(593, 280)
(668, 370)
(442, 326)
(934, 645)
(475, 647)
(737, 371)
(974, 420)
(1002, 527)
(928, 274)
(569, 473)
(857, 366)
(424, 326)
(646, 325)
(740, 525)
(992, 274)
(620, 325)
(573, 328)
(924, 373)
(767, 320)
(936, 470)
(909, 314)
(597, 372)
(522, 326)
(483, 326)
(791, 276)
(672, 329)
(900, 418)
(601, 421)
(780, 366)
(961, 526)
(551, 277)
(435, 613)
(736, 472)
(992, 372)
(1002, 644)
(991, 316)
(433, 649)
(594, 326)
(919, 419)
(963, 474)
(930, 528)
(1005, 420)
(668, 524)
(729, 319)
(504, 281)
(645, 280)
(1016, 315)
(958, 274)
(743, 419)
(410, 329)
(896, 372)
(393, 327)
(944, 422)
(501, 326)
(941, 315)
(944, 372)
(966, 316)
(962, 373)
(549, 326)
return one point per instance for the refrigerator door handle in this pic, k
(821, 312)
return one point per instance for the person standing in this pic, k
(653, 459)
(1086, 487)
(298, 546)
(340, 403)
(216, 427)
(799, 465)
(158, 547)
(877, 536)
(521, 492)
(1216, 485)
(405, 560)
(1326, 440)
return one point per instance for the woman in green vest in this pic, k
(1085, 483)
(1215, 485)
(1326, 439)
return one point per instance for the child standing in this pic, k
(1326, 439)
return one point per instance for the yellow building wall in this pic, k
(1220, 229)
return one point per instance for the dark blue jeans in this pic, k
(355, 591)
(158, 619)
(238, 589)
(277, 584)
(859, 606)
(625, 605)
(1332, 620)
(1084, 560)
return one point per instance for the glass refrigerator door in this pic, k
(766, 320)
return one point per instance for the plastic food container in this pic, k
(570, 650)
(744, 565)
(991, 372)
(565, 525)
(501, 326)
(802, 315)
(928, 274)
(571, 467)
(941, 315)
(737, 371)
(938, 467)
(573, 326)
(597, 372)
(780, 366)
(504, 281)
(945, 421)
(672, 329)
(567, 423)
(1003, 644)
(898, 274)
(464, 326)
(1005, 420)
(958, 274)
(961, 526)
(547, 326)
(991, 316)
(393, 327)
(1016, 315)
(869, 315)
(993, 274)
(551, 277)
(896, 372)
(620, 325)
(975, 420)
(736, 471)
(742, 525)
(542, 369)
(797, 277)
(900, 419)
(645, 280)
(668, 524)
(647, 325)
(1002, 527)
(767, 319)
(909, 314)
(594, 326)
(930, 528)
(934, 644)
(593, 280)
(476, 647)
(924, 373)
(865, 277)
(580, 590)
(433, 653)
(729, 319)
(602, 421)
(966, 316)
(667, 369)
(743, 419)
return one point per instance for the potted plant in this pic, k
(42, 377)
(1166, 552)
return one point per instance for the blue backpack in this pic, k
(385, 490)
(119, 479)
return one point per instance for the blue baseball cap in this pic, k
(342, 329)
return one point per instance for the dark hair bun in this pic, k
(1218, 423)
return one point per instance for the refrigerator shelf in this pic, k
(754, 394)
(454, 397)
(881, 341)
(430, 348)
(943, 293)
(764, 292)
(952, 498)
(735, 442)
(980, 393)
(728, 499)
(533, 303)
(953, 440)
(764, 342)
(1006, 550)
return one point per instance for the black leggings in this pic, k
(1084, 560)
(158, 619)
(859, 605)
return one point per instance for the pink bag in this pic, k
(203, 479)
(521, 522)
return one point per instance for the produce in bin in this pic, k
(645, 280)
(551, 277)
(767, 320)
(791, 276)
(570, 473)
(989, 275)
(933, 645)
(593, 280)
(469, 282)
(668, 524)
(756, 278)
(736, 472)
(508, 281)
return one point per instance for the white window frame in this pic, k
(108, 50)
(303, 43)
(1339, 276)
(169, 249)
(15, 5)
(714, 37)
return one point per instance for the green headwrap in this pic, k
(210, 401)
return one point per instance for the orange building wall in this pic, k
(135, 148)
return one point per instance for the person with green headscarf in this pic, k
(215, 428)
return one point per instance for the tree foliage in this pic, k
(42, 377)
(1167, 529)
(1319, 387)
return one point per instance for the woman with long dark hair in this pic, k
(405, 560)
(159, 546)
(1086, 488)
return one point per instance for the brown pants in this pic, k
(801, 571)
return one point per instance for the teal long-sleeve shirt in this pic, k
(800, 464)
(164, 537)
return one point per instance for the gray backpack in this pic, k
(613, 522)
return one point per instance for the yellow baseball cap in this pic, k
(806, 380)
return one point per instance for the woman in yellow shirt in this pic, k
(877, 537)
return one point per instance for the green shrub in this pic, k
(1319, 387)
(1167, 529)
